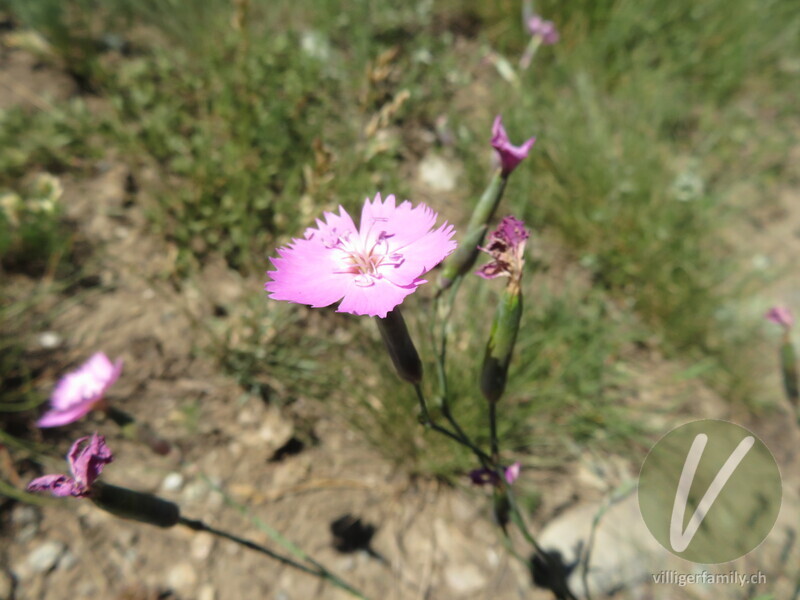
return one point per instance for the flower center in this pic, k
(364, 260)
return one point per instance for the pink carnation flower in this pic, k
(510, 155)
(544, 30)
(780, 315)
(85, 464)
(371, 269)
(78, 392)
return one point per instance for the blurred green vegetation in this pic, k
(258, 114)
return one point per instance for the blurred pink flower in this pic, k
(85, 464)
(512, 472)
(78, 392)
(544, 30)
(780, 315)
(506, 246)
(371, 269)
(486, 476)
(510, 155)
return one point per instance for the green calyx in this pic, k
(789, 371)
(501, 344)
(400, 346)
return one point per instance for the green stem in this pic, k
(321, 570)
(441, 359)
(493, 432)
(197, 525)
(427, 421)
(9, 491)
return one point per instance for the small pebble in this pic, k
(438, 174)
(68, 560)
(182, 577)
(195, 491)
(24, 514)
(464, 579)
(49, 340)
(172, 482)
(201, 546)
(44, 557)
(207, 592)
(27, 533)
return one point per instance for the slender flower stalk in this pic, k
(791, 380)
(464, 258)
(781, 315)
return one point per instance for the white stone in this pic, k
(182, 577)
(207, 592)
(172, 482)
(195, 491)
(464, 579)
(27, 533)
(201, 546)
(24, 514)
(436, 173)
(624, 553)
(68, 560)
(44, 557)
(49, 340)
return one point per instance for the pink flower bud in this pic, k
(510, 156)
(545, 30)
(780, 315)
